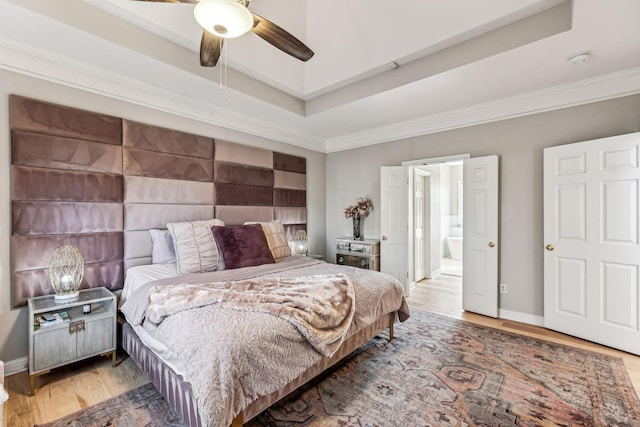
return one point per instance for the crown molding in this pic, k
(608, 86)
(27, 60)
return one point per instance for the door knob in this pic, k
(491, 244)
(549, 247)
(384, 237)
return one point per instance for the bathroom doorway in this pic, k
(438, 209)
(451, 187)
(480, 219)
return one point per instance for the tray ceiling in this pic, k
(454, 58)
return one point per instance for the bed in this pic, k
(253, 357)
(117, 203)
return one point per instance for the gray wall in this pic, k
(13, 322)
(519, 143)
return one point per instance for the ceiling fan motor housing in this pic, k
(224, 18)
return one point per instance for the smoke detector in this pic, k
(579, 58)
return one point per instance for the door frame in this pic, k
(415, 164)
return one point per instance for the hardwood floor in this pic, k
(69, 389)
(83, 384)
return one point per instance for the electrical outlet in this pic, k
(503, 288)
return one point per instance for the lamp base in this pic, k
(66, 296)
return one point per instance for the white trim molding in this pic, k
(601, 88)
(26, 60)
(16, 366)
(436, 160)
(517, 316)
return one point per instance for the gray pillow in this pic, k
(162, 251)
(196, 250)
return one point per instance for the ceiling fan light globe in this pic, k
(224, 18)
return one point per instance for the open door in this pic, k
(480, 236)
(394, 222)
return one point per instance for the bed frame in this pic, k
(179, 394)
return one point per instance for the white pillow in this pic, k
(162, 250)
(276, 238)
(195, 248)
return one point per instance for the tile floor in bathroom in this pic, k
(452, 267)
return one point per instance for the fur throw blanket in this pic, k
(321, 307)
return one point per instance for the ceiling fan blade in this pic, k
(210, 47)
(280, 38)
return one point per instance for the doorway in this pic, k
(451, 218)
(397, 246)
(438, 200)
(438, 236)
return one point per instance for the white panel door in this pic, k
(480, 236)
(394, 222)
(592, 256)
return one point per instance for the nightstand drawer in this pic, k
(369, 246)
(342, 245)
(368, 263)
(365, 249)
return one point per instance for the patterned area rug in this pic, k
(437, 372)
(142, 406)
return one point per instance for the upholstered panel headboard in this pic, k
(100, 183)
(66, 190)
(168, 178)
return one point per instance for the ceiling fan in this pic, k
(222, 19)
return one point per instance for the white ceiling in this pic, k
(461, 62)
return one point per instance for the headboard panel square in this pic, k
(51, 119)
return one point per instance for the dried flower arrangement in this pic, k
(359, 209)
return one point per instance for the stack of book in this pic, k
(50, 319)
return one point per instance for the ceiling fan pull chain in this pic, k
(220, 41)
(226, 72)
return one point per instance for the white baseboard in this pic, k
(15, 366)
(516, 316)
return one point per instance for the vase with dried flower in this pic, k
(357, 212)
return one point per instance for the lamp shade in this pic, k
(224, 18)
(66, 270)
(301, 243)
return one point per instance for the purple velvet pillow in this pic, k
(242, 246)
